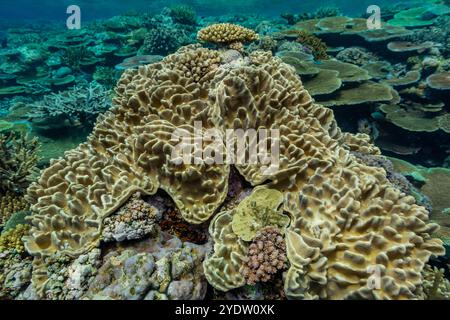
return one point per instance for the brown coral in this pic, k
(345, 216)
(135, 220)
(10, 204)
(266, 256)
(226, 34)
(317, 46)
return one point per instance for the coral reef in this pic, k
(135, 206)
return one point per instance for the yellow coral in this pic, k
(10, 204)
(227, 34)
(12, 239)
(435, 285)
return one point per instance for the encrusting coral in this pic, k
(345, 217)
(10, 204)
(257, 211)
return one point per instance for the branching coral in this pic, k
(11, 240)
(266, 256)
(78, 106)
(10, 204)
(317, 46)
(19, 156)
(227, 34)
(134, 220)
(163, 40)
(435, 285)
(183, 14)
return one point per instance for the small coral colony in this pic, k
(93, 207)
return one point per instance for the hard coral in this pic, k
(135, 220)
(227, 34)
(10, 204)
(19, 156)
(435, 285)
(15, 274)
(266, 256)
(183, 14)
(163, 269)
(78, 106)
(345, 216)
(11, 240)
(163, 40)
(317, 46)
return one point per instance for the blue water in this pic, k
(46, 10)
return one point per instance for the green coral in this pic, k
(259, 210)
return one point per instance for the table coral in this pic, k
(439, 81)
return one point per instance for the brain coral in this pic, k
(345, 216)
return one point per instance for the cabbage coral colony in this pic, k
(116, 218)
